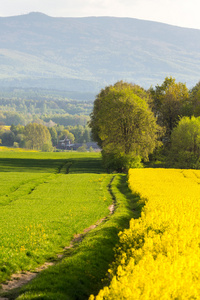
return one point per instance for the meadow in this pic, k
(158, 256)
(45, 200)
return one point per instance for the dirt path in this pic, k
(20, 279)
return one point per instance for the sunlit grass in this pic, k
(44, 213)
(47, 198)
(42, 207)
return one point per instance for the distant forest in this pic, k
(18, 106)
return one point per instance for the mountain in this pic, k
(85, 54)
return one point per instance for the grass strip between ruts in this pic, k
(84, 266)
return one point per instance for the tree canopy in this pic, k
(37, 136)
(185, 143)
(170, 102)
(123, 125)
(195, 99)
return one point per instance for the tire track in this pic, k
(25, 188)
(10, 290)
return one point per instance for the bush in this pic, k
(47, 147)
(82, 149)
(120, 162)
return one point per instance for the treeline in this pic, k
(8, 118)
(44, 94)
(177, 110)
(131, 125)
(22, 107)
(46, 106)
(161, 125)
(40, 137)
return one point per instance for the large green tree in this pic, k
(170, 102)
(185, 143)
(123, 125)
(54, 135)
(37, 136)
(195, 99)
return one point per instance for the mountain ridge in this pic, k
(85, 54)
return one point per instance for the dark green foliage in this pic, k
(195, 99)
(8, 138)
(170, 102)
(116, 161)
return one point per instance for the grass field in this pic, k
(47, 198)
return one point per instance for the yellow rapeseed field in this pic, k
(158, 257)
(10, 149)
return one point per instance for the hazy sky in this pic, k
(185, 13)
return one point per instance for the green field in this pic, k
(46, 199)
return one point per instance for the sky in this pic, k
(184, 13)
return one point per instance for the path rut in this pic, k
(19, 280)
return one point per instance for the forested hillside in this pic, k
(85, 54)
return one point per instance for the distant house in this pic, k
(63, 144)
(66, 145)
(88, 146)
